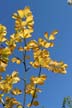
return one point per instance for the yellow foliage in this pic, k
(4, 55)
(38, 80)
(52, 35)
(11, 44)
(3, 33)
(24, 22)
(7, 84)
(42, 58)
(10, 102)
(44, 43)
(30, 89)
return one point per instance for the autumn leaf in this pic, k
(24, 22)
(35, 103)
(19, 106)
(3, 32)
(15, 77)
(52, 35)
(21, 13)
(17, 60)
(20, 48)
(16, 91)
(44, 43)
(38, 80)
(10, 102)
(46, 35)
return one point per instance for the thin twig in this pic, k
(25, 70)
(35, 87)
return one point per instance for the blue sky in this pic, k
(48, 16)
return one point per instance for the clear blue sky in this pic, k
(48, 15)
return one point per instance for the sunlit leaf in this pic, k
(10, 102)
(15, 77)
(34, 64)
(19, 106)
(46, 35)
(3, 32)
(21, 13)
(55, 32)
(35, 103)
(45, 44)
(29, 105)
(17, 60)
(2, 69)
(52, 35)
(38, 80)
(16, 91)
(21, 48)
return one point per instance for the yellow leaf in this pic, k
(3, 33)
(44, 43)
(18, 61)
(14, 74)
(46, 35)
(15, 77)
(2, 69)
(13, 60)
(6, 51)
(34, 64)
(16, 91)
(14, 16)
(11, 102)
(35, 103)
(21, 49)
(21, 13)
(29, 105)
(38, 80)
(54, 32)
(49, 44)
(19, 106)
(52, 35)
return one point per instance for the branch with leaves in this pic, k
(19, 41)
